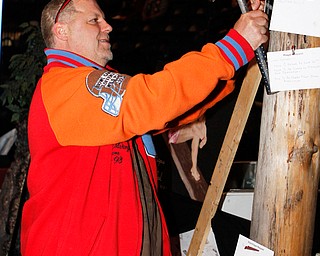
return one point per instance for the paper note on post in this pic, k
(248, 247)
(296, 16)
(296, 70)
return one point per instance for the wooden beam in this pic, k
(228, 150)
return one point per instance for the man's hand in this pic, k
(253, 26)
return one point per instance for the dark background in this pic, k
(145, 36)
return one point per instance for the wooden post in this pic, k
(288, 164)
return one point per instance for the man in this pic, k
(92, 178)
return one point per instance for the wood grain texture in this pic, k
(287, 176)
(228, 150)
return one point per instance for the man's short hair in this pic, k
(48, 18)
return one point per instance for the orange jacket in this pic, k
(84, 194)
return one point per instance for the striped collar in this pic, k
(69, 59)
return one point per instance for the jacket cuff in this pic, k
(235, 49)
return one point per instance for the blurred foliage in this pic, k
(25, 70)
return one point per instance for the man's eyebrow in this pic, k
(98, 15)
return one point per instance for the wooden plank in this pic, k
(228, 150)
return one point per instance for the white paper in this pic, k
(247, 247)
(296, 16)
(288, 71)
(210, 247)
(238, 203)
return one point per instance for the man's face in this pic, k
(88, 32)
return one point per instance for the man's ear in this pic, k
(60, 31)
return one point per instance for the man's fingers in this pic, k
(257, 4)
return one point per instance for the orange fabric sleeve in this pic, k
(149, 102)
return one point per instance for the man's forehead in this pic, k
(86, 2)
(79, 1)
(88, 5)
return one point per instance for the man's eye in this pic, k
(93, 20)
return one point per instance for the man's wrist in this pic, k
(235, 48)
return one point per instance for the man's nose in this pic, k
(105, 26)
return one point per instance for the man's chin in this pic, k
(109, 57)
(103, 61)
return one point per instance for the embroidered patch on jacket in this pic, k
(110, 87)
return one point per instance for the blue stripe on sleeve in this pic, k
(230, 55)
(238, 47)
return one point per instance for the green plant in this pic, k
(25, 69)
